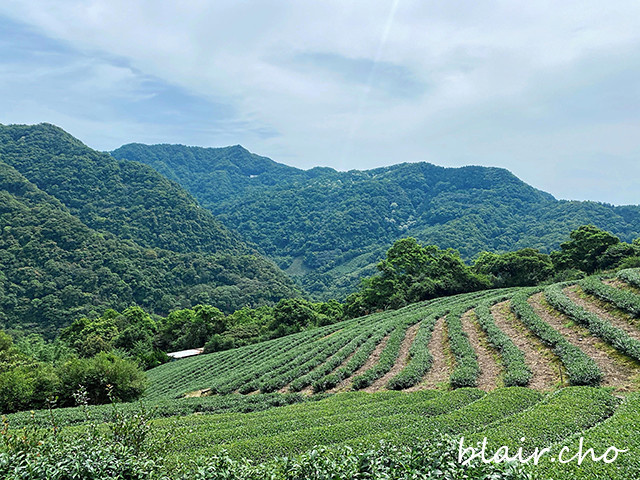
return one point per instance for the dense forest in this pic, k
(330, 228)
(82, 232)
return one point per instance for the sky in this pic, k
(549, 90)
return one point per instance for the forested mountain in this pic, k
(125, 198)
(81, 231)
(329, 227)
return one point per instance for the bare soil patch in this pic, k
(401, 362)
(616, 372)
(537, 355)
(205, 392)
(489, 367)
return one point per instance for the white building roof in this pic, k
(186, 353)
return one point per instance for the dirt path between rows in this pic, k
(401, 362)
(489, 368)
(616, 373)
(623, 321)
(545, 373)
(371, 361)
(441, 367)
(621, 284)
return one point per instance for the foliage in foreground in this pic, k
(122, 452)
(28, 383)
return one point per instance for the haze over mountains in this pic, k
(328, 228)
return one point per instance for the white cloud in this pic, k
(522, 85)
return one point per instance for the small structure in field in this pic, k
(185, 353)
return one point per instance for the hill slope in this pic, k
(583, 337)
(125, 198)
(543, 337)
(330, 227)
(54, 267)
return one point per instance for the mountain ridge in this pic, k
(329, 227)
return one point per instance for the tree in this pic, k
(105, 374)
(587, 244)
(291, 316)
(412, 272)
(190, 328)
(524, 267)
(618, 254)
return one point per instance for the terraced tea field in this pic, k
(552, 367)
(564, 334)
(547, 364)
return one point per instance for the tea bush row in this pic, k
(600, 327)
(582, 369)
(517, 372)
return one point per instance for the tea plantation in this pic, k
(396, 394)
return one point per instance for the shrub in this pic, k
(103, 375)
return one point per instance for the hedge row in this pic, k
(517, 372)
(467, 368)
(623, 299)
(331, 364)
(355, 362)
(620, 430)
(563, 413)
(631, 276)
(582, 370)
(288, 349)
(420, 358)
(388, 356)
(619, 339)
(289, 372)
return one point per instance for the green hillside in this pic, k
(81, 232)
(460, 365)
(529, 368)
(125, 198)
(328, 228)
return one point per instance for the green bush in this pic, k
(103, 376)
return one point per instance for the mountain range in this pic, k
(328, 228)
(170, 226)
